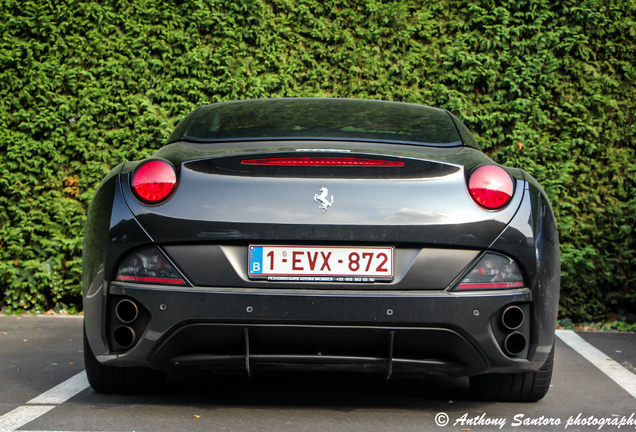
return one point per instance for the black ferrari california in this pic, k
(321, 234)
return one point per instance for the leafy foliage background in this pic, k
(548, 86)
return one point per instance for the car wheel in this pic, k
(119, 380)
(515, 387)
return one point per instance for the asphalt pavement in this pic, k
(43, 388)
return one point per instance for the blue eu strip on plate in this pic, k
(256, 259)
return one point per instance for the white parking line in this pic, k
(48, 400)
(609, 367)
(63, 392)
(21, 416)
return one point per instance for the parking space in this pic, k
(196, 401)
(619, 346)
(36, 354)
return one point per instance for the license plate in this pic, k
(320, 263)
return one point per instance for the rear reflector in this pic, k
(153, 181)
(149, 265)
(323, 161)
(492, 271)
(147, 279)
(496, 285)
(491, 187)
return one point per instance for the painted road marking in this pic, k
(63, 392)
(609, 367)
(21, 416)
(43, 403)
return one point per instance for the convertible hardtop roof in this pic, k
(322, 119)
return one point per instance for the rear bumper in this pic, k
(437, 332)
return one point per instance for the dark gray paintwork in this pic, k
(218, 209)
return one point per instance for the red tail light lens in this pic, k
(323, 161)
(491, 187)
(149, 266)
(492, 271)
(153, 181)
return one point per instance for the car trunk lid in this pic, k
(419, 197)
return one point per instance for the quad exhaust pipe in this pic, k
(515, 342)
(125, 336)
(512, 317)
(126, 311)
(127, 321)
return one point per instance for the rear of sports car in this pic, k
(258, 240)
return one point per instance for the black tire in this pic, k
(515, 387)
(119, 380)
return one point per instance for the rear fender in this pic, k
(104, 245)
(532, 239)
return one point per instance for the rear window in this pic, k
(313, 118)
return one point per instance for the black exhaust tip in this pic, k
(124, 337)
(512, 317)
(126, 311)
(515, 343)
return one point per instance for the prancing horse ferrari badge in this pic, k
(324, 192)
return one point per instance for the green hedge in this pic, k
(547, 86)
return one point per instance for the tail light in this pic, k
(149, 265)
(491, 187)
(492, 271)
(154, 181)
(323, 161)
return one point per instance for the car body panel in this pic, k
(423, 211)
(242, 205)
(430, 268)
(290, 309)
